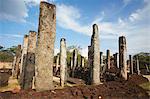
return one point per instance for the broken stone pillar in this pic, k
(29, 68)
(75, 53)
(17, 64)
(23, 59)
(82, 61)
(138, 66)
(122, 57)
(108, 59)
(63, 62)
(116, 60)
(57, 63)
(95, 56)
(45, 47)
(131, 64)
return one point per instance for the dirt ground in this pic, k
(112, 89)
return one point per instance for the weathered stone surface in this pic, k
(122, 57)
(23, 58)
(29, 68)
(95, 57)
(45, 47)
(108, 59)
(131, 64)
(75, 53)
(15, 73)
(63, 62)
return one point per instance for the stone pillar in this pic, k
(122, 57)
(108, 59)
(138, 66)
(63, 62)
(23, 60)
(89, 57)
(116, 60)
(29, 69)
(13, 66)
(45, 47)
(71, 63)
(82, 61)
(131, 64)
(17, 64)
(57, 62)
(95, 56)
(75, 53)
(24, 51)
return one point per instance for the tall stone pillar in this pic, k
(102, 67)
(29, 69)
(71, 63)
(131, 64)
(45, 47)
(89, 57)
(122, 57)
(23, 59)
(138, 65)
(95, 56)
(24, 51)
(17, 64)
(63, 62)
(75, 53)
(14, 66)
(82, 61)
(108, 59)
(116, 60)
(57, 62)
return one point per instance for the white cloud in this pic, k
(17, 10)
(68, 18)
(13, 10)
(132, 27)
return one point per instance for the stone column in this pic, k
(71, 63)
(131, 64)
(57, 62)
(17, 64)
(95, 56)
(24, 51)
(138, 66)
(82, 61)
(75, 53)
(116, 60)
(122, 57)
(45, 47)
(63, 62)
(108, 59)
(29, 69)
(13, 66)
(23, 59)
(89, 57)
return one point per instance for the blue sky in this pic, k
(75, 18)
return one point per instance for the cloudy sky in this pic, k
(130, 18)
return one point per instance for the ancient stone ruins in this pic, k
(34, 67)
